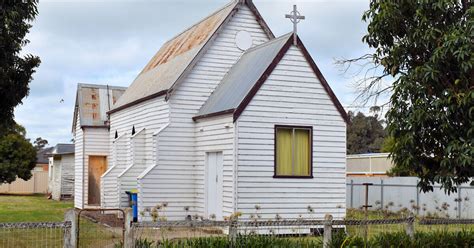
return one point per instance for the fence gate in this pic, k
(100, 228)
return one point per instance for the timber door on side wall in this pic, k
(97, 167)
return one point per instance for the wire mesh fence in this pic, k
(206, 233)
(283, 233)
(108, 228)
(45, 234)
(100, 228)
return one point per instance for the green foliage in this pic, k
(427, 46)
(17, 155)
(40, 143)
(143, 243)
(241, 241)
(339, 240)
(15, 71)
(365, 134)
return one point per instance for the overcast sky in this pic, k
(110, 41)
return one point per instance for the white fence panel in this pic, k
(397, 193)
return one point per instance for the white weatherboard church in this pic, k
(224, 117)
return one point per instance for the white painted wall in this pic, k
(78, 165)
(87, 142)
(56, 179)
(62, 176)
(96, 142)
(292, 95)
(151, 115)
(215, 135)
(118, 162)
(127, 179)
(176, 179)
(50, 174)
(67, 174)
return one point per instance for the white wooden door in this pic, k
(214, 174)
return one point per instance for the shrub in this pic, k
(339, 240)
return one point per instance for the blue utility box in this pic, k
(133, 200)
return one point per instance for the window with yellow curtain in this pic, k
(293, 151)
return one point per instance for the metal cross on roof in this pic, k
(295, 17)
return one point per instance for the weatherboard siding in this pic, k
(78, 164)
(67, 174)
(148, 116)
(178, 177)
(117, 162)
(96, 143)
(292, 95)
(216, 134)
(56, 182)
(87, 142)
(127, 180)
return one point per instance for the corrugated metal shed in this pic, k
(242, 77)
(93, 101)
(174, 57)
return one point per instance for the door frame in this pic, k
(100, 180)
(206, 184)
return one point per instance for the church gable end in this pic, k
(176, 58)
(246, 77)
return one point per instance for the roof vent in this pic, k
(243, 40)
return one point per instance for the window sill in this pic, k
(293, 177)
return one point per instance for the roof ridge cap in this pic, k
(85, 85)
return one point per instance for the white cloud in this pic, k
(109, 41)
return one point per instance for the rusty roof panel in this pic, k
(186, 41)
(173, 58)
(93, 102)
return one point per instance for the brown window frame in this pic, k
(310, 128)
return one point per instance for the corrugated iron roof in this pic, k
(42, 155)
(246, 77)
(174, 57)
(242, 77)
(93, 101)
(60, 149)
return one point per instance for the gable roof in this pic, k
(61, 149)
(176, 56)
(92, 103)
(246, 77)
(42, 155)
(242, 77)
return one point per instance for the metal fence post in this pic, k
(70, 237)
(327, 230)
(233, 232)
(381, 193)
(410, 227)
(128, 241)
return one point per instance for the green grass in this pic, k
(355, 214)
(96, 235)
(34, 208)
